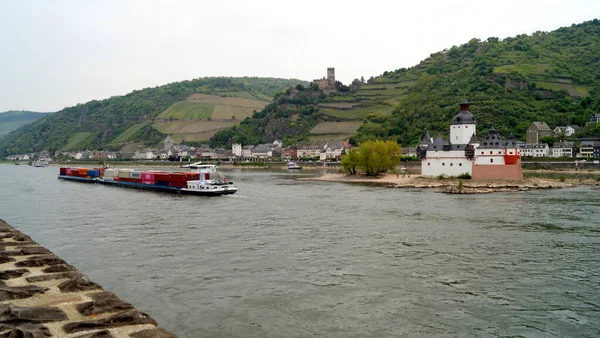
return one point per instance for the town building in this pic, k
(586, 149)
(562, 149)
(566, 130)
(535, 149)
(594, 119)
(462, 153)
(536, 131)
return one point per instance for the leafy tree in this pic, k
(372, 158)
(550, 140)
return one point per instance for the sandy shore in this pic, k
(452, 185)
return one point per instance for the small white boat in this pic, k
(42, 163)
(195, 165)
(293, 165)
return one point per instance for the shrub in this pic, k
(441, 177)
(465, 176)
(561, 178)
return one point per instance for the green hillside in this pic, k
(144, 117)
(13, 119)
(546, 76)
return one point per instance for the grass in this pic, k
(336, 128)
(226, 112)
(188, 110)
(227, 101)
(192, 127)
(78, 141)
(523, 69)
(358, 113)
(127, 134)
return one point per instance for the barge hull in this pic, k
(151, 187)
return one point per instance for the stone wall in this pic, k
(43, 296)
(497, 172)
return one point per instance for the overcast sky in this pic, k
(58, 53)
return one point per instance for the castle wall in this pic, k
(497, 172)
(449, 163)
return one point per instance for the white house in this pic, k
(566, 130)
(535, 149)
(562, 149)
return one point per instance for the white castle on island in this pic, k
(462, 153)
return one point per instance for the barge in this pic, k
(206, 180)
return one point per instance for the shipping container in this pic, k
(165, 183)
(178, 184)
(147, 181)
(162, 176)
(148, 176)
(123, 174)
(82, 171)
(135, 174)
(93, 173)
(63, 171)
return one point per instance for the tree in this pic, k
(372, 157)
(550, 140)
(350, 161)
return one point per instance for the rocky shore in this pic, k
(458, 186)
(43, 296)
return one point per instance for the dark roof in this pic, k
(438, 144)
(463, 117)
(473, 139)
(426, 138)
(492, 141)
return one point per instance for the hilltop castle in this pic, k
(462, 153)
(329, 82)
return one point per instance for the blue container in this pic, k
(165, 183)
(93, 173)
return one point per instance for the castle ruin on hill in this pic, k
(327, 83)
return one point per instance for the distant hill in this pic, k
(546, 76)
(191, 110)
(13, 119)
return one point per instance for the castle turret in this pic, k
(463, 126)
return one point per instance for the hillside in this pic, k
(546, 76)
(13, 119)
(192, 110)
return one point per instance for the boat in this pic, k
(40, 163)
(195, 165)
(207, 180)
(293, 165)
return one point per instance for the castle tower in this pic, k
(463, 126)
(331, 77)
(168, 143)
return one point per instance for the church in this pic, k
(462, 153)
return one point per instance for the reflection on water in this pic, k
(286, 258)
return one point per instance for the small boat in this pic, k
(293, 165)
(195, 165)
(41, 163)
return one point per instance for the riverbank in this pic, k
(43, 296)
(458, 186)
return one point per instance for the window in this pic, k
(490, 152)
(460, 164)
(428, 163)
(491, 160)
(451, 164)
(443, 163)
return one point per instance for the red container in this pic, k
(63, 171)
(178, 177)
(161, 176)
(135, 180)
(147, 181)
(148, 176)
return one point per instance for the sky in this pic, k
(55, 54)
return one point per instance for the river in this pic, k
(287, 258)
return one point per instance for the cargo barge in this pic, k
(205, 181)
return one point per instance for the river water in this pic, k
(287, 258)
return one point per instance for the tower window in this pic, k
(491, 160)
